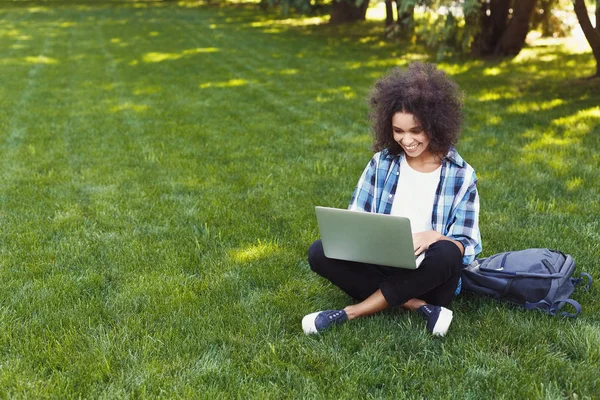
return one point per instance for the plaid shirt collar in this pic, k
(453, 156)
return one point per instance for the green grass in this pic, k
(159, 167)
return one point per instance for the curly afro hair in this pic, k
(424, 91)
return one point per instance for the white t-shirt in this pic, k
(414, 197)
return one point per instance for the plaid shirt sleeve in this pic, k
(365, 193)
(465, 226)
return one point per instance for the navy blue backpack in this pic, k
(532, 278)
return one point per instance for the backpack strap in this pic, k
(557, 304)
(552, 308)
(577, 281)
(503, 261)
(543, 304)
(549, 266)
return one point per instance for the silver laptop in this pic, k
(367, 237)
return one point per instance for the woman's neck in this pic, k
(425, 163)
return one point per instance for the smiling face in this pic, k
(409, 134)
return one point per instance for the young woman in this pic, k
(416, 173)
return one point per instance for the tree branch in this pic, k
(591, 34)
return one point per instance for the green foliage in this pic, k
(551, 18)
(443, 34)
(442, 25)
(287, 7)
(159, 170)
(449, 27)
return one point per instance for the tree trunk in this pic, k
(499, 18)
(591, 34)
(406, 18)
(513, 39)
(491, 26)
(344, 11)
(598, 15)
(545, 19)
(389, 13)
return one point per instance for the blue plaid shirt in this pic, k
(456, 203)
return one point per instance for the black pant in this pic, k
(435, 280)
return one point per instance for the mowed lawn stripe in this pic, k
(26, 70)
(21, 132)
(47, 299)
(259, 125)
(99, 278)
(286, 78)
(296, 128)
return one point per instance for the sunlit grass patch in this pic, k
(581, 123)
(254, 252)
(227, 84)
(306, 21)
(534, 105)
(153, 57)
